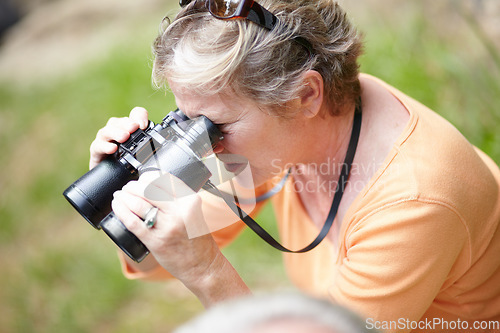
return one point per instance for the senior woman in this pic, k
(415, 239)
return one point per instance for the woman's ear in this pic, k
(311, 97)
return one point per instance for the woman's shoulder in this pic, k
(432, 161)
(426, 148)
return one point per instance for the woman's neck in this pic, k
(328, 138)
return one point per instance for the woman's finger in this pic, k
(130, 210)
(133, 203)
(118, 131)
(139, 116)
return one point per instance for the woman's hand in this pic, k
(197, 262)
(168, 239)
(117, 130)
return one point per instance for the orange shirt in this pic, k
(420, 245)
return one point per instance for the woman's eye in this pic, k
(221, 127)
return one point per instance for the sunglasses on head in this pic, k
(244, 9)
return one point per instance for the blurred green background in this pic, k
(67, 67)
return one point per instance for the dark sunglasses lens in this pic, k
(184, 3)
(224, 8)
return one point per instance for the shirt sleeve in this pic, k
(396, 260)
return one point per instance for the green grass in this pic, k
(60, 275)
(453, 74)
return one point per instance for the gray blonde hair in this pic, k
(251, 313)
(208, 55)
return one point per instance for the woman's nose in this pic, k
(218, 148)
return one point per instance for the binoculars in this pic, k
(177, 146)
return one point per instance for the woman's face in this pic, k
(270, 143)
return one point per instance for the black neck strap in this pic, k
(232, 201)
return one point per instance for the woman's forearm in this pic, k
(220, 282)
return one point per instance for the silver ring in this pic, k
(150, 218)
